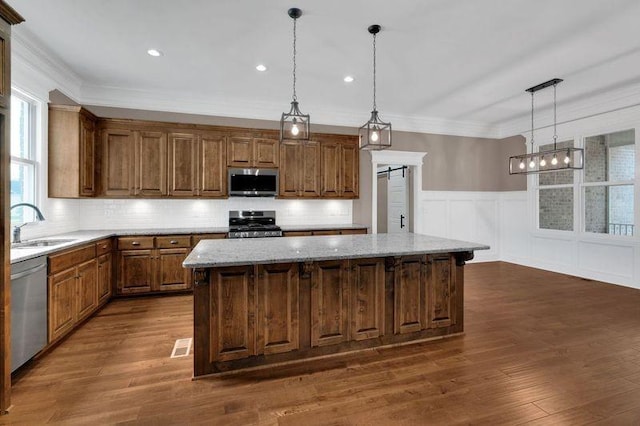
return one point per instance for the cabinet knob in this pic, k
(104, 246)
(173, 242)
(135, 243)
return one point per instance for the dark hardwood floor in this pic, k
(539, 348)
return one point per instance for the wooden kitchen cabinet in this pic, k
(346, 231)
(299, 175)
(118, 163)
(340, 167)
(410, 294)
(150, 163)
(152, 264)
(73, 289)
(212, 175)
(183, 164)
(247, 150)
(442, 291)
(367, 298)
(329, 303)
(72, 152)
(105, 266)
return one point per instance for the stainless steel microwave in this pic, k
(253, 182)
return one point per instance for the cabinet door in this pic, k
(87, 156)
(329, 303)
(62, 294)
(309, 186)
(87, 289)
(240, 151)
(349, 170)
(213, 162)
(183, 164)
(290, 170)
(151, 163)
(104, 278)
(233, 313)
(136, 271)
(277, 329)
(330, 159)
(410, 295)
(367, 299)
(265, 152)
(117, 162)
(441, 291)
(171, 274)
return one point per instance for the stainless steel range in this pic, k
(253, 224)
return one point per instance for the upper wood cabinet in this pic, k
(72, 152)
(299, 169)
(183, 164)
(212, 175)
(151, 163)
(118, 162)
(248, 150)
(340, 168)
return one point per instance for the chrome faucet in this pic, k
(16, 229)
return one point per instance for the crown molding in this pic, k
(30, 54)
(598, 104)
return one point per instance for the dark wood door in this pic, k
(240, 151)
(410, 294)
(105, 265)
(183, 164)
(349, 170)
(135, 271)
(330, 160)
(290, 169)
(87, 156)
(329, 303)
(171, 274)
(87, 289)
(367, 299)
(442, 290)
(151, 163)
(233, 313)
(213, 165)
(309, 160)
(62, 295)
(265, 152)
(278, 320)
(117, 162)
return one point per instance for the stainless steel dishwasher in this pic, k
(28, 309)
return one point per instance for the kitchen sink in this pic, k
(41, 243)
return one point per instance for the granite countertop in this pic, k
(233, 252)
(83, 237)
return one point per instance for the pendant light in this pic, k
(294, 125)
(375, 134)
(550, 160)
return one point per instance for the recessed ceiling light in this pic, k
(261, 67)
(348, 79)
(154, 52)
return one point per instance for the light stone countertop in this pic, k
(247, 251)
(83, 237)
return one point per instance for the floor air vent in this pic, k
(181, 348)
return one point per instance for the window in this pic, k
(23, 157)
(555, 196)
(609, 175)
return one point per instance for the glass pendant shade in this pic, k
(375, 134)
(294, 125)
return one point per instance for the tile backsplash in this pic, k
(65, 215)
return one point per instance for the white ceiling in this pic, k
(466, 61)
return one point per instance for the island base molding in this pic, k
(252, 316)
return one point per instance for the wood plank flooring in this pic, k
(539, 348)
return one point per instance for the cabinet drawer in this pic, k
(197, 238)
(134, 243)
(297, 233)
(60, 262)
(353, 231)
(103, 247)
(174, 241)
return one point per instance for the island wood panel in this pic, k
(118, 162)
(410, 294)
(278, 318)
(213, 160)
(367, 298)
(442, 291)
(329, 303)
(151, 163)
(233, 311)
(183, 164)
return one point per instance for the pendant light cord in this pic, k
(295, 97)
(532, 122)
(375, 108)
(555, 120)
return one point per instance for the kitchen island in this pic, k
(266, 301)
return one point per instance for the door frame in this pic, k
(411, 159)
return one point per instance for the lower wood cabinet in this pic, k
(442, 291)
(79, 283)
(153, 264)
(329, 302)
(347, 231)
